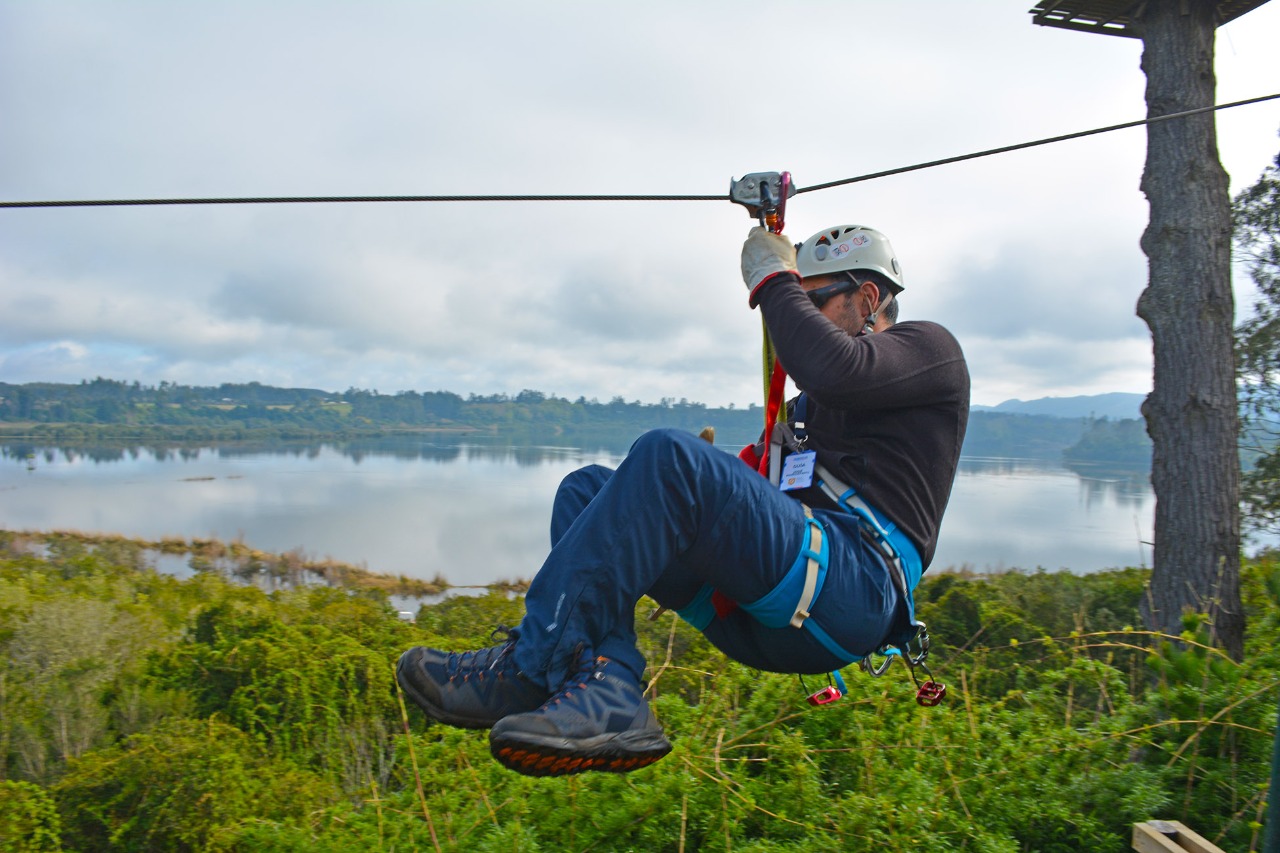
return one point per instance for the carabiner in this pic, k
(775, 221)
(922, 639)
(876, 670)
(932, 691)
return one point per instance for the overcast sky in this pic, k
(1030, 258)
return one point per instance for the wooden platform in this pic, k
(1116, 17)
(1169, 836)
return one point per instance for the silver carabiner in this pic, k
(875, 671)
(922, 638)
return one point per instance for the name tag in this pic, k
(797, 470)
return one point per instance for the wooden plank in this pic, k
(1170, 836)
(1192, 842)
(1149, 839)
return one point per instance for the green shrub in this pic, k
(219, 717)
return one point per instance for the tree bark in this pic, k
(1192, 413)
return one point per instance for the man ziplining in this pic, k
(807, 572)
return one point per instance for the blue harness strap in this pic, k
(790, 601)
(899, 553)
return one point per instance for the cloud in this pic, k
(1085, 294)
(1031, 257)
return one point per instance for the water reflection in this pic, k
(475, 508)
(1028, 514)
(1128, 487)
(441, 449)
(1099, 483)
(475, 511)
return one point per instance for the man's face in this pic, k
(848, 309)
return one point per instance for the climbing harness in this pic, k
(765, 195)
(788, 603)
(896, 551)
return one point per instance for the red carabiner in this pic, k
(931, 693)
(764, 195)
(776, 220)
(825, 696)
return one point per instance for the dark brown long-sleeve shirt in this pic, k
(886, 412)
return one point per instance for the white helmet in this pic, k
(849, 247)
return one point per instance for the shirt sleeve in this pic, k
(902, 365)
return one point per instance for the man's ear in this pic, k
(869, 290)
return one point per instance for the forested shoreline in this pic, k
(143, 711)
(105, 410)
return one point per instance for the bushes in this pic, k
(186, 785)
(218, 717)
(29, 821)
(306, 690)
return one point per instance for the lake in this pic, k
(477, 511)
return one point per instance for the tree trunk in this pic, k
(1191, 414)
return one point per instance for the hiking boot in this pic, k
(599, 720)
(472, 690)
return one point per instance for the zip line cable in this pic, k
(146, 202)
(1052, 139)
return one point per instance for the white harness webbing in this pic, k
(811, 571)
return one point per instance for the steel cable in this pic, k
(337, 199)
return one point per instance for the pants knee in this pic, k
(668, 445)
(585, 481)
(575, 492)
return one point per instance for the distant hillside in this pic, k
(1011, 434)
(106, 410)
(1116, 406)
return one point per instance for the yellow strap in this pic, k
(769, 358)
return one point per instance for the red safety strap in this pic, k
(773, 406)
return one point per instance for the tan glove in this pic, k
(764, 255)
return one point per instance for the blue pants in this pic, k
(676, 515)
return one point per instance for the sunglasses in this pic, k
(820, 296)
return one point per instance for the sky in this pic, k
(1030, 258)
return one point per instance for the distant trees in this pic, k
(104, 410)
(1123, 442)
(1257, 233)
(263, 408)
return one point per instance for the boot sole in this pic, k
(537, 755)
